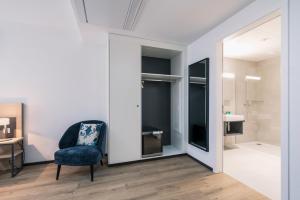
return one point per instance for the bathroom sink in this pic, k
(233, 118)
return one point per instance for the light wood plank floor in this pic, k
(179, 178)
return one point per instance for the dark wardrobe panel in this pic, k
(198, 104)
(156, 97)
(156, 109)
(156, 65)
(197, 70)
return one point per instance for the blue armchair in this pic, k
(72, 155)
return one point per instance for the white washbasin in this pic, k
(233, 118)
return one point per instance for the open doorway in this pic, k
(251, 107)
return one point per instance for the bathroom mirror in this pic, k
(229, 97)
(199, 104)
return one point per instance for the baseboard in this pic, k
(39, 163)
(201, 163)
(131, 162)
(146, 160)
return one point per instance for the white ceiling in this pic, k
(180, 21)
(258, 44)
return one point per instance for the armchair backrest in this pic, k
(70, 137)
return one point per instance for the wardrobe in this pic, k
(146, 89)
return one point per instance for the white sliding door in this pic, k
(124, 143)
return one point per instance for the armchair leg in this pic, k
(58, 171)
(101, 162)
(92, 172)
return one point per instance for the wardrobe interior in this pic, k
(161, 100)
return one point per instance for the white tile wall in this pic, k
(257, 100)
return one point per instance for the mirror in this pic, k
(198, 104)
(229, 92)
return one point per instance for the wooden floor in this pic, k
(179, 178)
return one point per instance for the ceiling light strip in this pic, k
(257, 78)
(228, 75)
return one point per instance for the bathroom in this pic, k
(251, 107)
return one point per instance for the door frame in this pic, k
(284, 133)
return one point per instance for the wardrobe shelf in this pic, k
(160, 77)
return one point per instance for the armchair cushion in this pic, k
(89, 134)
(70, 137)
(78, 156)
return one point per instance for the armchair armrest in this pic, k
(70, 137)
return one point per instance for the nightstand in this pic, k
(14, 152)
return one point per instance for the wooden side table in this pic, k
(14, 153)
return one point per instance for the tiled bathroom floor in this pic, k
(257, 165)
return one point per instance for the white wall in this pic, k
(294, 98)
(60, 71)
(210, 46)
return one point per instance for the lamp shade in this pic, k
(4, 121)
